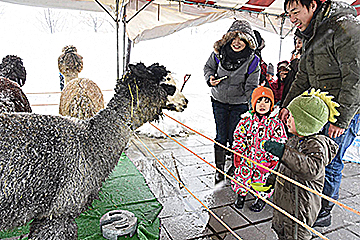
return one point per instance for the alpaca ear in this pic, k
(141, 71)
(170, 89)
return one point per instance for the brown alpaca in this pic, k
(12, 77)
(81, 97)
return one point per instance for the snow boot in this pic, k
(231, 170)
(324, 217)
(220, 163)
(239, 203)
(258, 205)
(218, 175)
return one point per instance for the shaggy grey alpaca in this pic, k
(52, 167)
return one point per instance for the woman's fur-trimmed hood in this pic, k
(239, 28)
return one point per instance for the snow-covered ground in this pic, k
(184, 52)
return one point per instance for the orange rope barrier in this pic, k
(250, 190)
(34, 93)
(45, 104)
(211, 212)
(277, 173)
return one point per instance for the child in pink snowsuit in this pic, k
(256, 127)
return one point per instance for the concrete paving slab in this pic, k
(199, 169)
(163, 234)
(188, 226)
(187, 142)
(172, 206)
(230, 217)
(344, 193)
(350, 169)
(354, 228)
(341, 234)
(264, 215)
(198, 150)
(351, 184)
(194, 184)
(248, 233)
(217, 197)
(193, 160)
(265, 228)
(341, 218)
(353, 202)
(163, 189)
(147, 168)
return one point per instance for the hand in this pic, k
(275, 148)
(293, 56)
(335, 131)
(283, 115)
(213, 81)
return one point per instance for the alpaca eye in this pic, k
(170, 89)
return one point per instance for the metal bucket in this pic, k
(118, 223)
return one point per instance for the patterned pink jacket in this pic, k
(251, 134)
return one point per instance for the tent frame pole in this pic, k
(117, 40)
(281, 35)
(124, 40)
(272, 25)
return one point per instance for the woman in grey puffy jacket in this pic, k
(232, 71)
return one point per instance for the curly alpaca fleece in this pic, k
(52, 167)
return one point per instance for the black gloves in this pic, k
(275, 148)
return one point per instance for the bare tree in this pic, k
(95, 20)
(52, 20)
(2, 10)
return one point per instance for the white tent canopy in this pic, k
(161, 17)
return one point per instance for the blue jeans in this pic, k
(227, 116)
(333, 170)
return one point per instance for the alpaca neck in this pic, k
(69, 76)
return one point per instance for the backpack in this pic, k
(251, 68)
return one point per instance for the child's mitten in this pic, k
(270, 181)
(275, 148)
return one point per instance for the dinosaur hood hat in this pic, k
(239, 28)
(311, 111)
(262, 92)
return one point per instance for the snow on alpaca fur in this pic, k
(52, 167)
(165, 124)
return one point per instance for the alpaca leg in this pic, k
(61, 228)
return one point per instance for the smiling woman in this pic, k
(238, 44)
(232, 56)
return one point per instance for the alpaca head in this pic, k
(147, 92)
(70, 63)
(12, 68)
(176, 99)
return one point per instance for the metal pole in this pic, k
(281, 35)
(117, 40)
(128, 52)
(124, 40)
